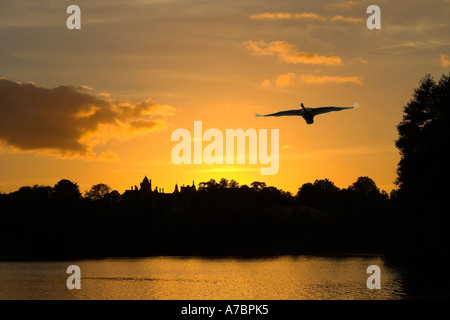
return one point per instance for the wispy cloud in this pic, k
(310, 78)
(289, 53)
(286, 16)
(422, 44)
(84, 87)
(445, 60)
(291, 79)
(345, 4)
(69, 122)
(347, 19)
(285, 80)
(304, 15)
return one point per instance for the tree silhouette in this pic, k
(423, 170)
(223, 183)
(66, 190)
(424, 133)
(318, 195)
(208, 186)
(35, 193)
(112, 197)
(365, 186)
(97, 191)
(257, 185)
(233, 184)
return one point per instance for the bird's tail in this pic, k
(355, 105)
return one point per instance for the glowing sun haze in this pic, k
(98, 105)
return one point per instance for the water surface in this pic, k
(173, 278)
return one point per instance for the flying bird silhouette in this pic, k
(307, 113)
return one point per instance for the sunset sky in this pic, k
(99, 105)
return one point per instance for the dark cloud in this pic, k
(68, 121)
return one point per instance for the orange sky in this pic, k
(138, 70)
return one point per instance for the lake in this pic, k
(176, 278)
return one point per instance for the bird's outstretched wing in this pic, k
(321, 110)
(298, 112)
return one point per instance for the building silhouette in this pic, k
(188, 189)
(145, 190)
(146, 185)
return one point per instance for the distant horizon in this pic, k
(172, 189)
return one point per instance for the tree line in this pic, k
(219, 218)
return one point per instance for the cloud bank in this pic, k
(69, 122)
